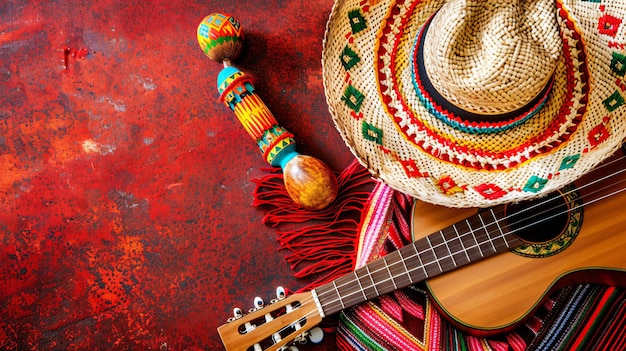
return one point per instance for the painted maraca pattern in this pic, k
(309, 182)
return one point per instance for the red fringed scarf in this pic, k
(321, 244)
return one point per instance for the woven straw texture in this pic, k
(468, 104)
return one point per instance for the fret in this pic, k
(372, 280)
(381, 277)
(360, 285)
(455, 243)
(445, 241)
(480, 234)
(366, 283)
(391, 277)
(399, 270)
(482, 222)
(462, 243)
(471, 231)
(414, 265)
(444, 256)
(428, 258)
(468, 241)
(328, 298)
(343, 307)
(498, 237)
(393, 271)
(509, 239)
(437, 257)
(497, 222)
(348, 292)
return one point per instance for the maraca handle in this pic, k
(237, 92)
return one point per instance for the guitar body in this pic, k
(497, 293)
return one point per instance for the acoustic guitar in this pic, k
(519, 253)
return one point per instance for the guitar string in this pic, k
(310, 299)
(349, 298)
(488, 232)
(595, 181)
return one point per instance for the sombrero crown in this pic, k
(474, 103)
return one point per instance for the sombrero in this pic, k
(477, 103)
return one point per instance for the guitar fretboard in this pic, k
(469, 240)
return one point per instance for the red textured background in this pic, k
(126, 217)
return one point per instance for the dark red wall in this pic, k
(126, 217)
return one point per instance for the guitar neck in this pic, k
(477, 237)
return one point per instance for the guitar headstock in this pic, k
(271, 327)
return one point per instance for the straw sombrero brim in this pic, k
(416, 146)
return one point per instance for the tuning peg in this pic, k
(258, 303)
(316, 335)
(237, 313)
(280, 293)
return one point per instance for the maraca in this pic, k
(309, 182)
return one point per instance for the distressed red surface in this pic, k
(126, 218)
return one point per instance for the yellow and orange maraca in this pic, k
(309, 182)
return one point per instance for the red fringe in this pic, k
(321, 244)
